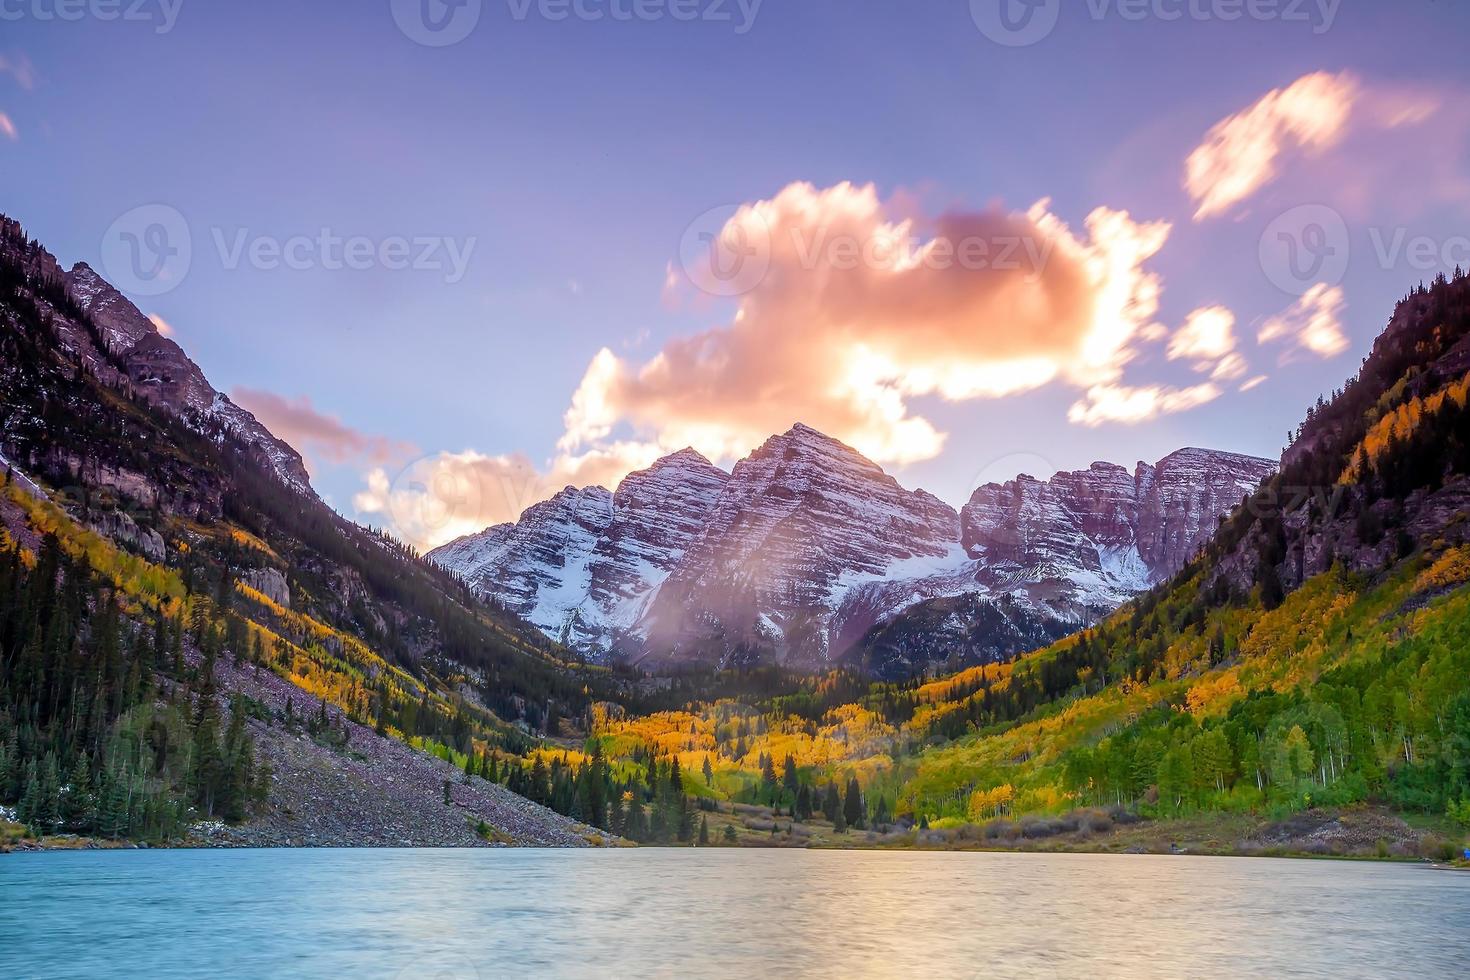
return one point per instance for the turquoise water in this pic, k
(478, 914)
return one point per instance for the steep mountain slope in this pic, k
(807, 546)
(1066, 551)
(128, 439)
(802, 521)
(117, 344)
(582, 566)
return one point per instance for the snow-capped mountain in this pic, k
(582, 566)
(808, 554)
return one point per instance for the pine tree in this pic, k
(831, 804)
(77, 804)
(704, 831)
(852, 807)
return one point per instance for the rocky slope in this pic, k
(809, 554)
(160, 371)
(372, 791)
(582, 566)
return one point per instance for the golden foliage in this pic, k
(1215, 693)
(986, 803)
(1451, 568)
(1400, 424)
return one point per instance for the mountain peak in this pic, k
(688, 456)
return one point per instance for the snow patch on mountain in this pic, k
(806, 546)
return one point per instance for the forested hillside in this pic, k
(1317, 654)
(176, 619)
(131, 529)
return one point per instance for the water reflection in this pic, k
(488, 914)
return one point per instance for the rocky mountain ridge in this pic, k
(806, 554)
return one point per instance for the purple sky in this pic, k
(567, 158)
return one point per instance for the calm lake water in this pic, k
(516, 913)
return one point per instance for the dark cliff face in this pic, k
(807, 546)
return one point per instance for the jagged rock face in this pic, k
(582, 566)
(802, 521)
(121, 528)
(161, 372)
(1088, 540)
(809, 554)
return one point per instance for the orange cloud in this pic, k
(7, 128)
(438, 498)
(852, 310)
(314, 434)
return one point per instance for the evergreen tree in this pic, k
(852, 806)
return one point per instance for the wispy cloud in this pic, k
(19, 67)
(1312, 324)
(317, 435)
(1131, 405)
(1242, 153)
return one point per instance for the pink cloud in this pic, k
(316, 435)
(854, 310)
(19, 67)
(1242, 153)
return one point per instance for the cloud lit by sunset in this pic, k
(860, 310)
